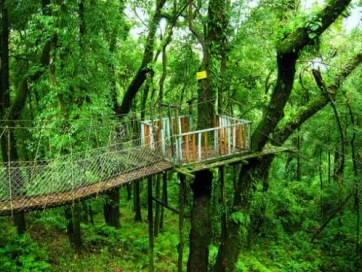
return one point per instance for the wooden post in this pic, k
(161, 132)
(187, 158)
(164, 197)
(194, 146)
(223, 203)
(238, 136)
(225, 140)
(171, 133)
(152, 128)
(245, 135)
(179, 138)
(137, 201)
(158, 206)
(219, 138)
(181, 222)
(199, 142)
(147, 134)
(150, 224)
(206, 146)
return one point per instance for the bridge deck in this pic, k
(54, 199)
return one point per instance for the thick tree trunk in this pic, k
(72, 215)
(200, 233)
(239, 217)
(111, 208)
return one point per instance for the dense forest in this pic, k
(291, 67)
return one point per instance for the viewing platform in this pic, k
(180, 143)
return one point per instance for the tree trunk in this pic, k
(72, 215)
(200, 233)
(137, 201)
(150, 224)
(257, 169)
(158, 206)
(8, 144)
(180, 247)
(111, 208)
(164, 197)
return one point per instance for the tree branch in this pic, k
(316, 104)
(287, 54)
(193, 31)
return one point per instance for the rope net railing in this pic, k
(75, 174)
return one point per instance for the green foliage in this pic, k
(239, 218)
(21, 253)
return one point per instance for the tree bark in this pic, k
(137, 201)
(200, 233)
(8, 144)
(111, 208)
(72, 214)
(180, 247)
(150, 224)
(158, 206)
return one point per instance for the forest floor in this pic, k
(282, 244)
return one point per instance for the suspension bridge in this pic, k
(119, 157)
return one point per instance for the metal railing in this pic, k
(181, 145)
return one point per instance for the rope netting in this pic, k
(60, 173)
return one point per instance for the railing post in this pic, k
(171, 134)
(249, 136)
(152, 129)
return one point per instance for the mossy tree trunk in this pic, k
(200, 233)
(73, 217)
(201, 229)
(288, 50)
(111, 208)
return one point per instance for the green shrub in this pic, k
(21, 253)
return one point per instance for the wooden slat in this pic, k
(187, 157)
(206, 146)
(194, 151)
(245, 135)
(147, 135)
(225, 141)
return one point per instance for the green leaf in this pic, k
(312, 35)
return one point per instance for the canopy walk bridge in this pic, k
(159, 145)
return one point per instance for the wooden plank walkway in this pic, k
(150, 163)
(61, 198)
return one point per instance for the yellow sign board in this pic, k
(201, 75)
